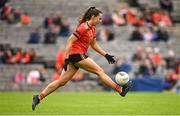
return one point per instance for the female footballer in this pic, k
(76, 57)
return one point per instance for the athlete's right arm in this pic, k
(69, 43)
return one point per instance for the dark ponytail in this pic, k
(89, 13)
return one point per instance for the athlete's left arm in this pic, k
(97, 48)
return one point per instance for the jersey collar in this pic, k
(89, 27)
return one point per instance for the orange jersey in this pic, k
(85, 35)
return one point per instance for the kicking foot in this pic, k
(125, 88)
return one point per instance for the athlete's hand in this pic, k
(66, 62)
(110, 59)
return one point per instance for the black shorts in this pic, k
(74, 58)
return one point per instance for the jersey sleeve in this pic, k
(80, 31)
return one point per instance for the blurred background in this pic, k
(144, 35)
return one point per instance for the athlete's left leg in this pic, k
(63, 79)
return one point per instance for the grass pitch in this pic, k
(17, 103)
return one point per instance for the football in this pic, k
(121, 78)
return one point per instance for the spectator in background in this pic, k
(148, 53)
(147, 14)
(165, 19)
(107, 17)
(135, 17)
(60, 59)
(170, 60)
(2, 3)
(34, 37)
(28, 56)
(136, 35)
(18, 78)
(17, 57)
(138, 55)
(162, 34)
(131, 16)
(161, 18)
(148, 34)
(140, 20)
(146, 68)
(50, 37)
(105, 34)
(157, 57)
(57, 19)
(65, 28)
(48, 21)
(25, 19)
(36, 76)
(122, 65)
(17, 15)
(8, 55)
(7, 11)
(118, 19)
(123, 9)
(156, 17)
(161, 70)
(33, 77)
(166, 5)
(58, 24)
(14, 15)
(42, 74)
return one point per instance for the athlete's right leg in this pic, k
(90, 66)
(63, 79)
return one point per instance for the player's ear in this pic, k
(93, 16)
